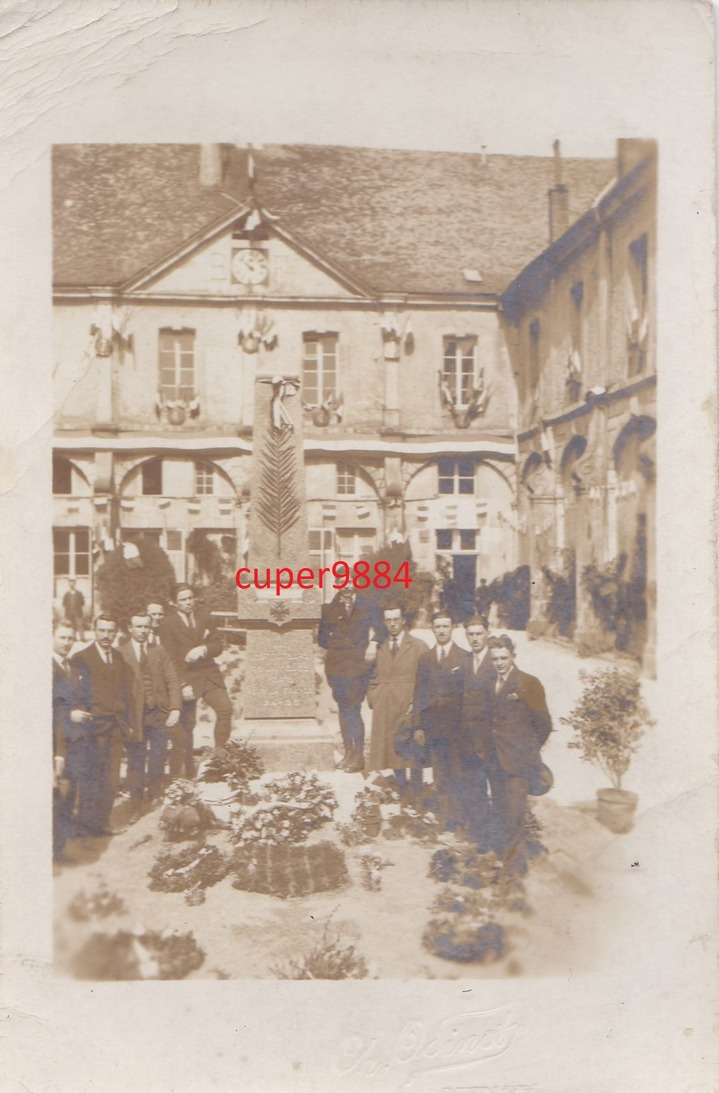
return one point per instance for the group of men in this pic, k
(472, 716)
(130, 696)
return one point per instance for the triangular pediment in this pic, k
(262, 261)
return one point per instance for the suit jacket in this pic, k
(475, 702)
(390, 695)
(178, 638)
(103, 689)
(517, 724)
(65, 698)
(438, 693)
(165, 685)
(345, 637)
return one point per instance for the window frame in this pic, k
(73, 552)
(321, 366)
(459, 367)
(178, 389)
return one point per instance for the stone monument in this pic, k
(278, 692)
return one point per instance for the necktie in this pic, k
(143, 656)
(190, 620)
(498, 685)
(476, 664)
(108, 658)
(65, 667)
(443, 654)
(393, 647)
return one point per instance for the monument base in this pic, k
(293, 743)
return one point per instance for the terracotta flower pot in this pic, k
(616, 808)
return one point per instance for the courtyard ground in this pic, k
(576, 892)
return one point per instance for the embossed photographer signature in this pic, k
(421, 1047)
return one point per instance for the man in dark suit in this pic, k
(471, 773)
(103, 691)
(438, 708)
(192, 642)
(516, 726)
(73, 605)
(350, 630)
(155, 711)
(68, 733)
(156, 611)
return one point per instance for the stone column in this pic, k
(278, 693)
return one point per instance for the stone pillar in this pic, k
(278, 694)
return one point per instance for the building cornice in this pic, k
(86, 442)
(582, 409)
(65, 294)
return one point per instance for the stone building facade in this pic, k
(403, 290)
(580, 327)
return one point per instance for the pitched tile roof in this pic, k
(400, 221)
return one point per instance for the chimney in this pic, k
(631, 152)
(211, 160)
(558, 199)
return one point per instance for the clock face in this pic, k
(250, 267)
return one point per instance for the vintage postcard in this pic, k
(358, 546)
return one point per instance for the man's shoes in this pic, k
(106, 832)
(155, 802)
(135, 814)
(354, 765)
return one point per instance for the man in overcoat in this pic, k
(154, 711)
(390, 694)
(515, 728)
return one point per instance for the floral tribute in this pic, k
(410, 824)
(98, 904)
(190, 870)
(138, 954)
(464, 928)
(289, 870)
(366, 820)
(184, 815)
(285, 810)
(236, 763)
(371, 865)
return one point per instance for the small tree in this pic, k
(124, 586)
(609, 720)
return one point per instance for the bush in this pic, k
(511, 593)
(329, 959)
(142, 954)
(562, 604)
(609, 720)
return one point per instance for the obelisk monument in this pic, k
(278, 692)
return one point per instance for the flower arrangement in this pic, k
(184, 815)
(98, 904)
(410, 824)
(287, 809)
(464, 928)
(138, 954)
(465, 865)
(289, 870)
(329, 959)
(190, 870)
(371, 866)
(236, 763)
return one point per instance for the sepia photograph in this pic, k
(340, 434)
(358, 469)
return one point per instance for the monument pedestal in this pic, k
(299, 743)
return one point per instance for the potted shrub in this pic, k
(608, 722)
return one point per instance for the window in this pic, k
(319, 367)
(534, 337)
(71, 550)
(352, 544)
(460, 368)
(61, 476)
(467, 539)
(456, 475)
(456, 540)
(346, 480)
(177, 365)
(152, 478)
(204, 480)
